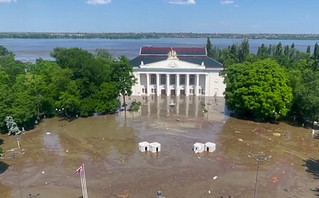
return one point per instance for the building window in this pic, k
(182, 79)
(172, 79)
(191, 79)
(143, 90)
(153, 79)
(163, 79)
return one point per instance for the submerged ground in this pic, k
(107, 145)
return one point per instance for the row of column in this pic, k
(177, 86)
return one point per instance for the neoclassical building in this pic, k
(177, 71)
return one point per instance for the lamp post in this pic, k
(13, 155)
(259, 157)
(208, 105)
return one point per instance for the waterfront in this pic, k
(115, 168)
(31, 49)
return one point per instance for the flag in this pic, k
(79, 170)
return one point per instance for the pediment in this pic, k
(173, 64)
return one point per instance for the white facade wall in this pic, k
(215, 84)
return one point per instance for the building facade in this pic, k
(177, 71)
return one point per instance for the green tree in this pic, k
(4, 97)
(209, 47)
(309, 49)
(11, 67)
(107, 98)
(69, 100)
(258, 90)
(4, 51)
(278, 50)
(243, 51)
(24, 106)
(122, 75)
(306, 93)
(262, 52)
(103, 53)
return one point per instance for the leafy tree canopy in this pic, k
(258, 89)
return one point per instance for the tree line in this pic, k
(277, 82)
(150, 35)
(77, 83)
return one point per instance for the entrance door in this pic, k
(173, 92)
(163, 92)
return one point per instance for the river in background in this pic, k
(32, 49)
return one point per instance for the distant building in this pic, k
(177, 71)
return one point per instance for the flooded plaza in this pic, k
(108, 146)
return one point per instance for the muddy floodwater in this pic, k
(108, 146)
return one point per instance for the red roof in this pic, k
(196, 51)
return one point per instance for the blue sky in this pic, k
(200, 16)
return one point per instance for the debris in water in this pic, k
(276, 134)
(209, 192)
(214, 178)
(275, 179)
(42, 172)
(67, 150)
(239, 139)
(220, 159)
(48, 133)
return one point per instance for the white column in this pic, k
(206, 85)
(148, 84)
(168, 91)
(139, 87)
(158, 91)
(187, 85)
(177, 85)
(196, 84)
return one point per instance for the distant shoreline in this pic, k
(76, 35)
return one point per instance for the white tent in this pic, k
(155, 147)
(210, 147)
(144, 146)
(198, 147)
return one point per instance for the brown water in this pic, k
(107, 146)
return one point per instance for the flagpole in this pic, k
(85, 191)
(81, 171)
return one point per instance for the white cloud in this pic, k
(180, 2)
(7, 1)
(227, 2)
(98, 2)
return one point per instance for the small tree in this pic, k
(122, 75)
(209, 47)
(12, 126)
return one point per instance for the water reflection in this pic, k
(185, 106)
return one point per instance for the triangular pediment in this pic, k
(173, 64)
